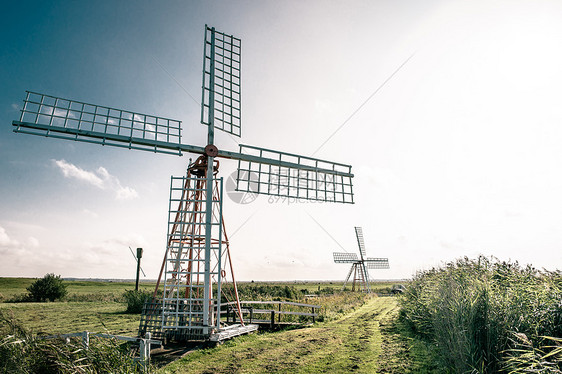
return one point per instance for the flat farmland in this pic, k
(11, 287)
(95, 306)
(366, 340)
(356, 332)
(69, 317)
(98, 306)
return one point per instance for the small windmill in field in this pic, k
(360, 265)
(187, 299)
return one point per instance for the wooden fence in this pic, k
(270, 313)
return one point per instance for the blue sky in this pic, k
(457, 155)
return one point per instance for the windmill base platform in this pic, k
(232, 331)
(151, 321)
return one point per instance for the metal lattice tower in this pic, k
(187, 298)
(184, 287)
(360, 265)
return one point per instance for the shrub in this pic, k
(265, 292)
(135, 300)
(50, 288)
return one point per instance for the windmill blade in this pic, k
(56, 117)
(377, 263)
(275, 173)
(260, 170)
(136, 259)
(342, 257)
(360, 241)
(220, 105)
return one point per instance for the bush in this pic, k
(264, 292)
(135, 300)
(50, 288)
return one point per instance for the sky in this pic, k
(448, 111)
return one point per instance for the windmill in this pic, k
(197, 248)
(359, 265)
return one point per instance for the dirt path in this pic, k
(353, 343)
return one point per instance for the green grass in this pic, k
(69, 317)
(84, 289)
(359, 333)
(94, 306)
(23, 352)
(10, 287)
(356, 342)
(315, 286)
(99, 306)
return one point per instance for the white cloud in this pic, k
(5, 240)
(126, 193)
(72, 171)
(100, 179)
(13, 247)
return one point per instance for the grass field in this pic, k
(366, 340)
(359, 333)
(70, 317)
(11, 287)
(97, 306)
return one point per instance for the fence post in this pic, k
(251, 313)
(312, 314)
(272, 318)
(86, 339)
(144, 351)
(279, 317)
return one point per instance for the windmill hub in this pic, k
(211, 150)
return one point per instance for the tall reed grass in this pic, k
(22, 352)
(476, 312)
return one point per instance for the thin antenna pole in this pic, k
(139, 256)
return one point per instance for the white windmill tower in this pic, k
(360, 265)
(197, 248)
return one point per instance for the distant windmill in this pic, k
(197, 248)
(360, 264)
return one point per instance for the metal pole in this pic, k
(366, 275)
(219, 259)
(139, 256)
(209, 194)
